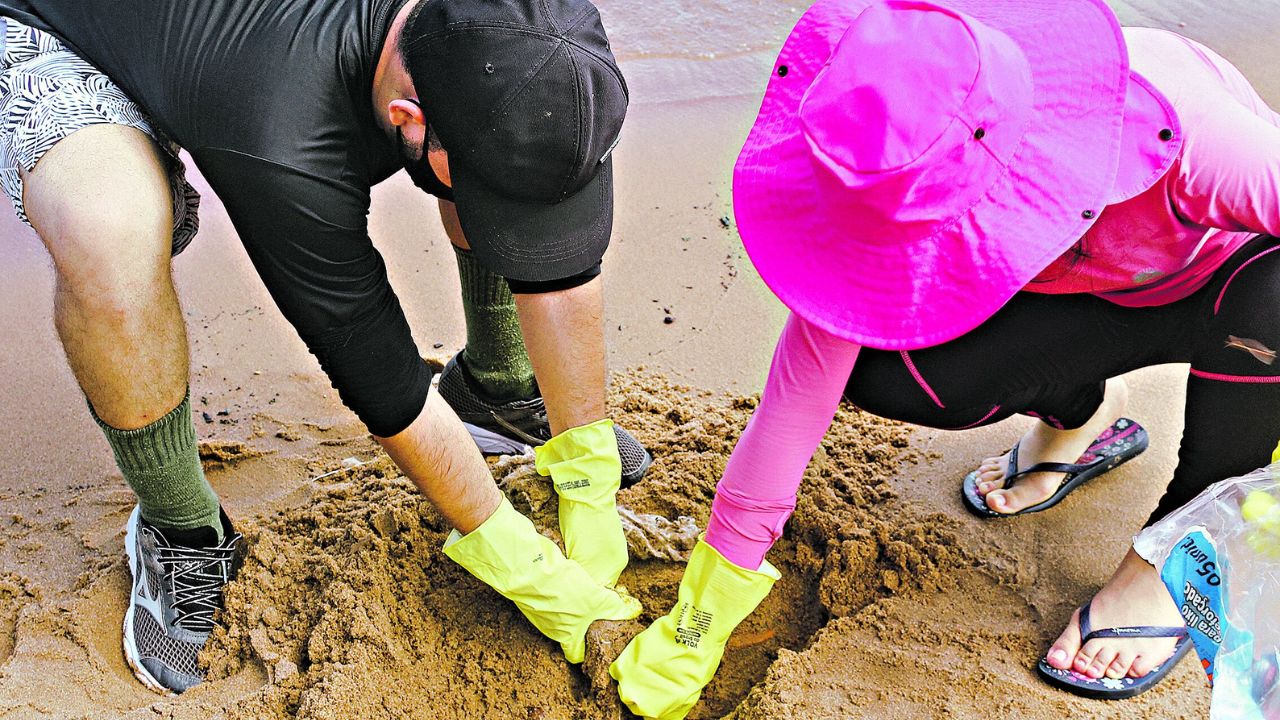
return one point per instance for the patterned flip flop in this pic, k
(1105, 688)
(1118, 444)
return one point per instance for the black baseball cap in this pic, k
(526, 97)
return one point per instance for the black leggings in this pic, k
(1048, 356)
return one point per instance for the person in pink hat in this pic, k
(982, 208)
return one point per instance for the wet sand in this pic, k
(895, 603)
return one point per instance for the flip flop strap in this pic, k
(1139, 631)
(1069, 468)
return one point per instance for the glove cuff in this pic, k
(583, 463)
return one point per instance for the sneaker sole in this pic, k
(131, 655)
(491, 443)
(635, 476)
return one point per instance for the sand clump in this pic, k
(14, 595)
(219, 454)
(351, 608)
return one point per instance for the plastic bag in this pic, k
(1219, 556)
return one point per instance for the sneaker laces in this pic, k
(529, 438)
(197, 576)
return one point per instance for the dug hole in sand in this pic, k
(353, 611)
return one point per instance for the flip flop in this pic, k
(1105, 688)
(1118, 444)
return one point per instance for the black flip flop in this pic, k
(1105, 688)
(1118, 444)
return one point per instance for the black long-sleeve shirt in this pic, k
(273, 100)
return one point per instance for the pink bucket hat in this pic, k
(916, 164)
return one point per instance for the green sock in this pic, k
(161, 462)
(495, 353)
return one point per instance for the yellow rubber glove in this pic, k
(662, 671)
(585, 469)
(555, 593)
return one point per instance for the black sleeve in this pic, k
(534, 287)
(307, 237)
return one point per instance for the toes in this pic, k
(1141, 666)
(1120, 666)
(998, 500)
(1064, 649)
(990, 474)
(1147, 662)
(1084, 658)
(989, 480)
(1102, 660)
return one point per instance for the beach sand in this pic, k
(894, 603)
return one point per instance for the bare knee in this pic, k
(100, 201)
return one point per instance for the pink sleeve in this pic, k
(1230, 172)
(758, 491)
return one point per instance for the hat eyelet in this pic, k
(1166, 134)
(488, 68)
(782, 71)
(979, 133)
(1088, 214)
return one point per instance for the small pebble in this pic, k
(724, 222)
(438, 345)
(224, 413)
(668, 320)
(207, 417)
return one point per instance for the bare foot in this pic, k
(1134, 596)
(1043, 443)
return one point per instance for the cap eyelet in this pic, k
(488, 68)
(1166, 134)
(782, 71)
(979, 133)
(1088, 214)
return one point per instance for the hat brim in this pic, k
(535, 241)
(903, 296)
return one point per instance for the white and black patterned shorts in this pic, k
(48, 92)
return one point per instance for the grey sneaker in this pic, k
(513, 427)
(176, 591)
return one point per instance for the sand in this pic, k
(351, 609)
(894, 603)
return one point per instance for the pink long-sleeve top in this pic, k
(1157, 247)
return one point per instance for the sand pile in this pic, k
(354, 611)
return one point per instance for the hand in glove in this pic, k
(555, 593)
(585, 469)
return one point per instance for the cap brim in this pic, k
(535, 241)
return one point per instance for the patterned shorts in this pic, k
(46, 93)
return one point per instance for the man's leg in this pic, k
(495, 355)
(100, 201)
(491, 383)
